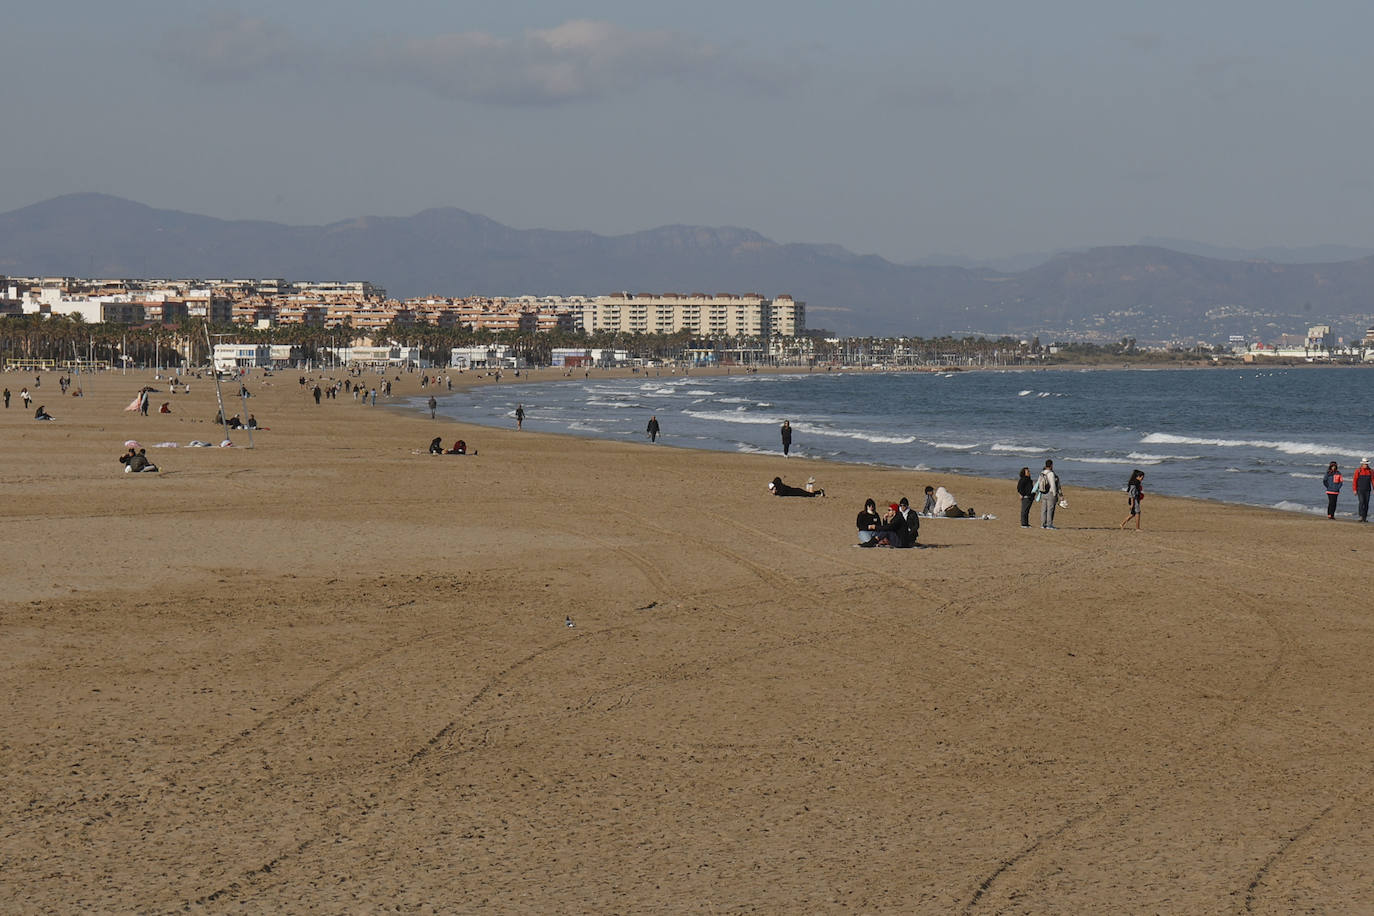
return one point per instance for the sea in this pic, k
(1249, 435)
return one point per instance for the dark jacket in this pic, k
(869, 520)
(1364, 477)
(1332, 481)
(906, 528)
(1025, 487)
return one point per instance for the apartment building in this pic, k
(725, 315)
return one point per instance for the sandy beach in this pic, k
(332, 674)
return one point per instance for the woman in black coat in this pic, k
(1025, 486)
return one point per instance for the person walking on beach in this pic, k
(1135, 492)
(1364, 480)
(316, 392)
(652, 429)
(519, 416)
(786, 437)
(1332, 481)
(1049, 488)
(25, 397)
(1025, 487)
(7, 399)
(433, 405)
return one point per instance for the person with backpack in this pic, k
(1049, 488)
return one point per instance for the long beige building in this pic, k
(749, 315)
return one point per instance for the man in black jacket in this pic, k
(906, 524)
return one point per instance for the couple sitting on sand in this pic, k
(436, 447)
(897, 527)
(136, 462)
(940, 501)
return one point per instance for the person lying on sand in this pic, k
(778, 488)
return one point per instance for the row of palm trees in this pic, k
(60, 338)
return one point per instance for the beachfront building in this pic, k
(241, 356)
(495, 356)
(375, 355)
(720, 316)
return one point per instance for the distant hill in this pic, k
(1147, 292)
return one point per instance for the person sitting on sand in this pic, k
(41, 413)
(166, 407)
(235, 422)
(136, 462)
(436, 446)
(907, 524)
(459, 448)
(252, 422)
(778, 488)
(942, 504)
(869, 522)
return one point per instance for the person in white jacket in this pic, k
(1047, 485)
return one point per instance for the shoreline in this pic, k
(1297, 510)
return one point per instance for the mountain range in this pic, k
(1150, 292)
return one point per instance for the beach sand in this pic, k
(332, 674)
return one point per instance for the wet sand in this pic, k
(332, 673)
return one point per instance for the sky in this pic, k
(903, 129)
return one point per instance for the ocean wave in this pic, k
(1278, 445)
(738, 415)
(585, 428)
(617, 405)
(1144, 456)
(952, 446)
(1017, 449)
(1022, 394)
(1290, 506)
(1110, 461)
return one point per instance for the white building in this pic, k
(496, 356)
(381, 355)
(242, 356)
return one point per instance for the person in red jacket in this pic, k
(1364, 480)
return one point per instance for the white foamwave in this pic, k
(1290, 506)
(1110, 461)
(1016, 449)
(1144, 456)
(1022, 394)
(733, 416)
(1278, 445)
(953, 446)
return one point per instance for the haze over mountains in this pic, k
(1151, 292)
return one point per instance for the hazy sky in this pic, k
(904, 129)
